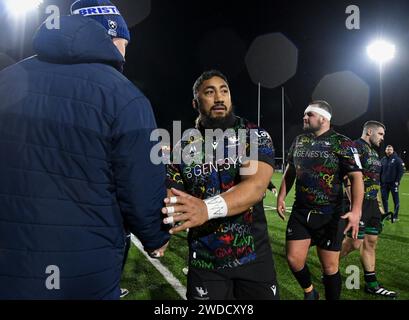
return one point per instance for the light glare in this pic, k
(381, 51)
(21, 7)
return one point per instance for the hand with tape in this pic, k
(191, 211)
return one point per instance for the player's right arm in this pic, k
(357, 196)
(350, 165)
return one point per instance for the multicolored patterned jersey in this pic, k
(231, 241)
(320, 164)
(371, 168)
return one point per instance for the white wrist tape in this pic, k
(216, 207)
(320, 111)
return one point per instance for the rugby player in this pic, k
(230, 255)
(318, 160)
(370, 225)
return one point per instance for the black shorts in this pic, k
(252, 281)
(370, 220)
(326, 231)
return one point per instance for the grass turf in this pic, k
(145, 282)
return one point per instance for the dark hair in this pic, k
(389, 146)
(372, 124)
(206, 76)
(323, 105)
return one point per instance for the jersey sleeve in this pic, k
(349, 157)
(266, 152)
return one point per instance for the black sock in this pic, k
(370, 278)
(303, 277)
(333, 285)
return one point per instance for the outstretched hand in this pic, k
(184, 208)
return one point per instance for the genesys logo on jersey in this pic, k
(194, 148)
(206, 169)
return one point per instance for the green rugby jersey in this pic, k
(321, 163)
(371, 168)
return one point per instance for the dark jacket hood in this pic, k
(78, 40)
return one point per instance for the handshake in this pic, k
(158, 253)
(182, 212)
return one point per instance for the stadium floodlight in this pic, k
(381, 51)
(21, 7)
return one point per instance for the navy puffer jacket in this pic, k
(74, 167)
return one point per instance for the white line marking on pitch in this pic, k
(268, 208)
(173, 281)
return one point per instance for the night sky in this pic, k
(174, 41)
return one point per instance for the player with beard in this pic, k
(221, 204)
(370, 226)
(318, 160)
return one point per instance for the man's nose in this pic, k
(218, 98)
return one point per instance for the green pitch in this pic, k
(145, 282)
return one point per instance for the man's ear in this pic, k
(369, 132)
(323, 120)
(195, 103)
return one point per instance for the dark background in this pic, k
(173, 41)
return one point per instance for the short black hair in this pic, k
(206, 76)
(323, 105)
(372, 124)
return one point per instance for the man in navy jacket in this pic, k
(74, 162)
(391, 174)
